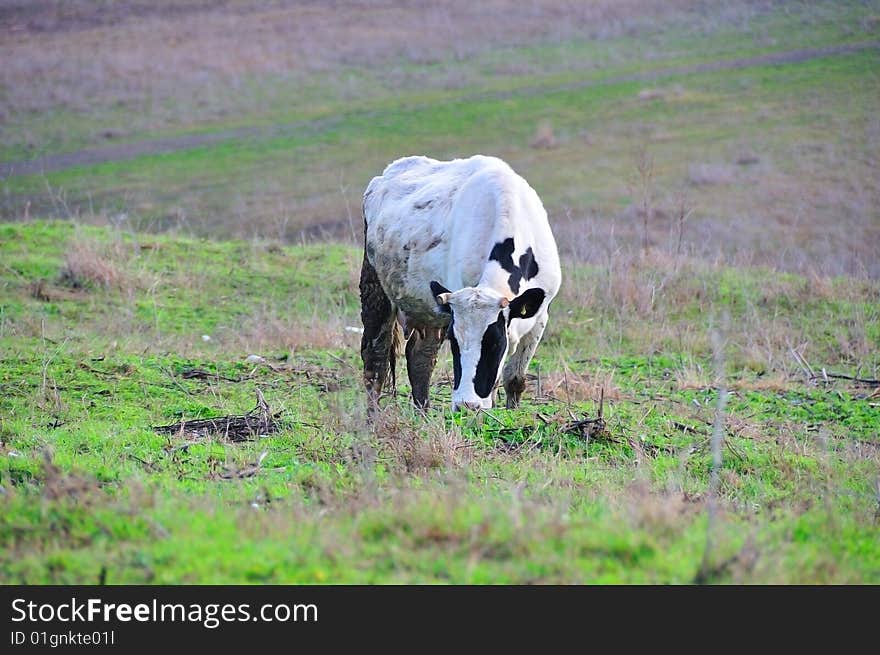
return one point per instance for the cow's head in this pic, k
(477, 332)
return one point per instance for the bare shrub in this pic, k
(683, 211)
(710, 174)
(636, 212)
(67, 486)
(544, 136)
(88, 264)
(661, 514)
(747, 157)
(641, 186)
(416, 445)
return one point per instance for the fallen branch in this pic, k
(805, 366)
(152, 468)
(258, 421)
(587, 428)
(200, 374)
(687, 428)
(838, 376)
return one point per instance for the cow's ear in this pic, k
(441, 295)
(527, 304)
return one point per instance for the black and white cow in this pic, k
(461, 250)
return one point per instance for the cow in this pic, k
(458, 250)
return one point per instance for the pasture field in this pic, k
(105, 348)
(181, 234)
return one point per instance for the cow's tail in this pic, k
(398, 343)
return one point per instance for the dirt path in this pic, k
(127, 151)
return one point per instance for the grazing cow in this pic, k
(460, 250)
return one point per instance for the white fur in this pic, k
(439, 220)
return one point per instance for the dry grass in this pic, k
(814, 222)
(544, 136)
(777, 382)
(66, 485)
(651, 94)
(710, 174)
(269, 329)
(89, 264)
(639, 300)
(73, 53)
(805, 208)
(417, 446)
(570, 387)
(662, 514)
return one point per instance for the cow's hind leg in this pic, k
(377, 342)
(421, 356)
(514, 375)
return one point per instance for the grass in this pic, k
(88, 104)
(505, 496)
(301, 155)
(180, 283)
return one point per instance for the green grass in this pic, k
(107, 318)
(500, 497)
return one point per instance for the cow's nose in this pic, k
(467, 404)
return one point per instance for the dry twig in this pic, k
(258, 421)
(838, 376)
(201, 374)
(587, 428)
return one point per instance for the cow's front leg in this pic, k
(514, 375)
(421, 357)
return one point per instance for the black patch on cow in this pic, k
(436, 290)
(528, 264)
(502, 252)
(492, 350)
(528, 304)
(456, 356)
